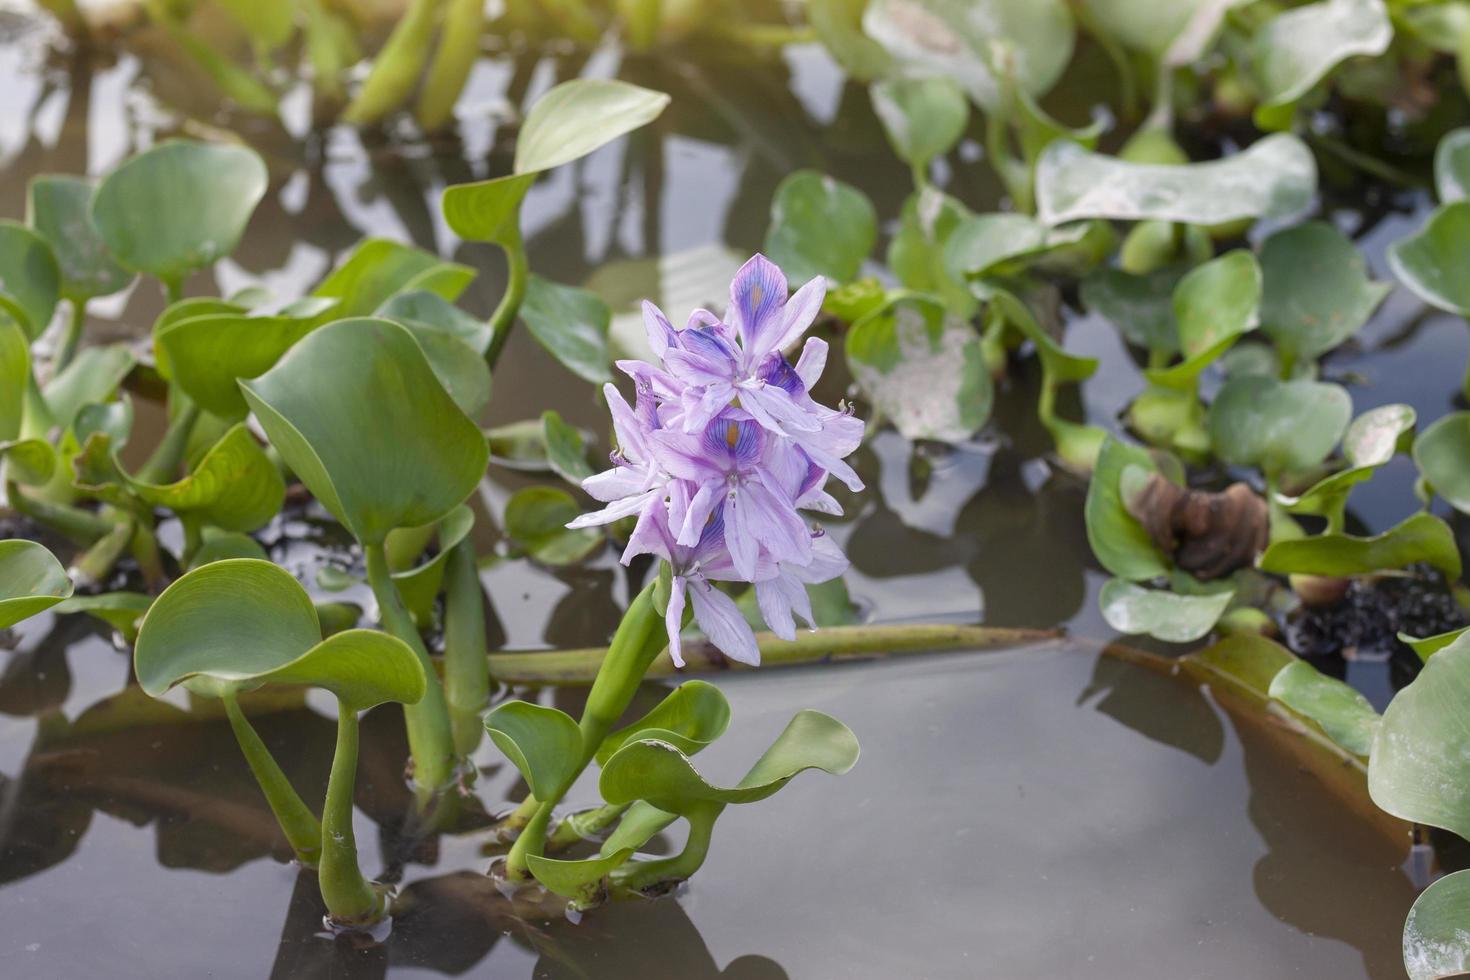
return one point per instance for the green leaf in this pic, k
(420, 586)
(1429, 260)
(1144, 25)
(820, 227)
(582, 880)
(661, 774)
(1298, 48)
(1003, 243)
(916, 254)
(1140, 306)
(59, 209)
(460, 368)
(237, 624)
(235, 487)
(379, 270)
(536, 519)
(1437, 931)
(693, 715)
(1452, 165)
(1419, 768)
(15, 376)
(1428, 646)
(519, 446)
(419, 306)
(1246, 662)
(1120, 543)
(1371, 440)
(178, 207)
(488, 210)
(219, 545)
(30, 281)
(839, 23)
(977, 42)
(1168, 616)
(1280, 426)
(344, 392)
(543, 743)
(923, 117)
(120, 610)
(1422, 537)
(31, 581)
(207, 355)
(91, 378)
(572, 325)
(922, 367)
(576, 117)
(270, 23)
(1273, 177)
(566, 453)
(1345, 715)
(1317, 292)
(1442, 453)
(1215, 304)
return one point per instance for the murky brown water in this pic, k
(1035, 813)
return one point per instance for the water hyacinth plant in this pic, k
(717, 457)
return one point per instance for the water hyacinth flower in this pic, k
(722, 450)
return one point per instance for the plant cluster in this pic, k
(365, 392)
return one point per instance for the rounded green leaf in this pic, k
(536, 519)
(964, 40)
(659, 773)
(1274, 177)
(420, 306)
(839, 23)
(1140, 306)
(566, 450)
(379, 269)
(1317, 291)
(1437, 931)
(1345, 715)
(922, 367)
(577, 880)
(234, 487)
(1118, 540)
(178, 207)
(1297, 48)
(1419, 768)
(572, 325)
(693, 715)
(1442, 453)
(923, 117)
(30, 281)
(362, 667)
(207, 355)
(543, 743)
(487, 210)
(1452, 166)
(1280, 426)
(59, 209)
(459, 367)
(820, 227)
(1422, 537)
(1165, 615)
(1430, 261)
(31, 581)
(219, 545)
(1428, 646)
(1215, 304)
(346, 391)
(229, 621)
(1371, 440)
(576, 117)
(91, 378)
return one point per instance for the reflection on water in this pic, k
(1038, 813)
(1063, 841)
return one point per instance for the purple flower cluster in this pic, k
(721, 450)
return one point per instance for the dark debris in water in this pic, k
(1366, 621)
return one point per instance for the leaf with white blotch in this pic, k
(1370, 441)
(922, 367)
(968, 40)
(1437, 931)
(58, 208)
(1273, 177)
(1164, 615)
(1298, 48)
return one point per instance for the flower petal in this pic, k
(812, 362)
(721, 621)
(800, 312)
(757, 297)
(614, 511)
(660, 330)
(674, 620)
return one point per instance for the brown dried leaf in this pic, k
(1207, 534)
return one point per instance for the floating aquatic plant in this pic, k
(720, 452)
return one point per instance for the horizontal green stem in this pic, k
(578, 667)
(584, 825)
(79, 526)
